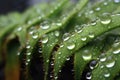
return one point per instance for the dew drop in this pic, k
(98, 9)
(86, 55)
(91, 35)
(66, 36)
(71, 46)
(105, 3)
(84, 38)
(57, 33)
(35, 36)
(67, 59)
(102, 57)
(106, 74)
(93, 64)
(106, 18)
(59, 24)
(28, 53)
(116, 51)
(19, 28)
(28, 46)
(78, 29)
(44, 25)
(88, 75)
(110, 62)
(44, 39)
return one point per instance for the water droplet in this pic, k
(98, 9)
(28, 46)
(86, 55)
(117, 1)
(78, 29)
(66, 36)
(106, 74)
(19, 28)
(110, 62)
(28, 60)
(44, 25)
(57, 33)
(91, 11)
(102, 57)
(105, 3)
(28, 53)
(84, 38)
(44, 39)
(116, 51)
(93, 23)
(93, 64)
(59, 24)
(106, 18)
(67, 59)
(35, 36)
(91, 35)
(71, 46)
(88, 75)
(18, 53)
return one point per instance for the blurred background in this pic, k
(7, 6)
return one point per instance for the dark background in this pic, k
(7, 6)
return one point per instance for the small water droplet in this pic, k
(93, 64)
(45, 25)
(86, 55)
(59, 24)
(35, 36)
(67, 59)
(106, 18)
(44, 39)
(57, 33)
(78, 29)
(110, 62)
(116, 51)
(102, 57)
(83, 38)
(88, 75)
(105, 3)
(28, 46)
(28, 53)
(28, 60)
(91, 11)
(71, 45)
(106, 74)
(19, 28)
(91, 35)
(66, 36)
(98, 9)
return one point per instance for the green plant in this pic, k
(82, 36)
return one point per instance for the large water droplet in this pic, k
(44, 39)
(66, 36)
(35, 36)
(88, 75)
(71, 45)
(45, 25)
(86, 55)
(116, 51)
(110, 62)
(93, 64)
(106, 18)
